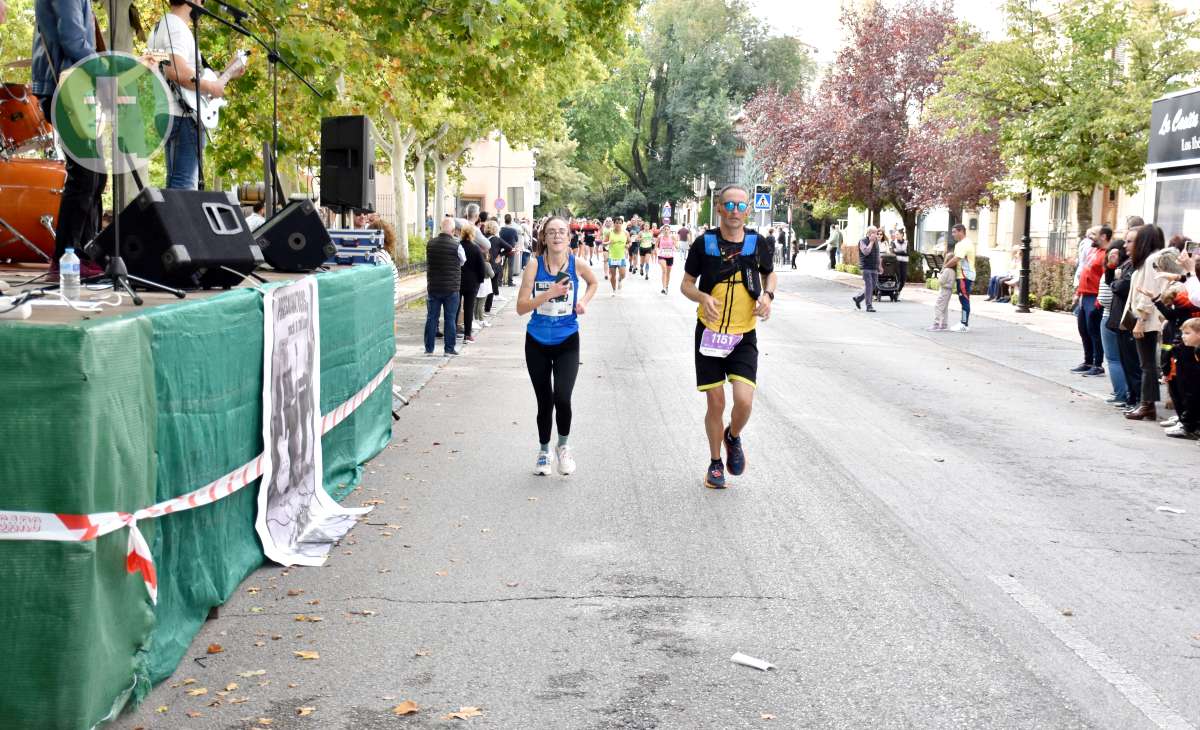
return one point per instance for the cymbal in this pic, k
(21, 63)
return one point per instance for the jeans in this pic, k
(183, 161)
(448, 303)
(994, 285)
(1127, 349)
(964, 299)
(1147, 350)
(80, 207)
(1087, 319)
(525, 256)
(1112, 357)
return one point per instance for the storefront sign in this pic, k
(1175, 130)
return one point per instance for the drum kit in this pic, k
(31, 180)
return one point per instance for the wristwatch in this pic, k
(770, 294)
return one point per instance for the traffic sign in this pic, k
(762, 201)
(499, 203)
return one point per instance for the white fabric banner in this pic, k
(298, 522)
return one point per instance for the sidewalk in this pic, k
(1054, 324)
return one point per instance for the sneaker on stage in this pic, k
(566, 462)
(735, 458)
(542, 467)
(714, 478)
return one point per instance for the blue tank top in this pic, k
(555, 320)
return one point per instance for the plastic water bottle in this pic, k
(68, 275)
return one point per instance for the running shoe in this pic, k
(960, 328)
(735, 458)
(936, 328)
(714, 478)
(542, 467)
(1172, 421)
(1094, 372)
(566, 462)
(1081, 368)
(664, 291)
(1179, 432)
(1114, 400)
(469, 338)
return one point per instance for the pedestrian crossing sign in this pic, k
(762, 201)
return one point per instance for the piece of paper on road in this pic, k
(749, 661)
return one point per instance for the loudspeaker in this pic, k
(347, 163)
(295, 239)
(183, 238)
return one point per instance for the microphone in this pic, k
(238, 14)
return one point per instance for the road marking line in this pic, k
(1139, 694)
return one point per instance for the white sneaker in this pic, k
(1173, 420)
(960, 328)
(1179, 432)
(542, 467)
(566, 462)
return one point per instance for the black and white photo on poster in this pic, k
(298, 522)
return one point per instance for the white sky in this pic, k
(816, 21)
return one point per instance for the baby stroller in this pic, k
(889, 280)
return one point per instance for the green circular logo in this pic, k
(111, 112)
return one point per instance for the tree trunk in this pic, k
(441, 163)
(874, 214)
(909, 218)
(402, 142)
(422, 191)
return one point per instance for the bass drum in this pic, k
(30, 193)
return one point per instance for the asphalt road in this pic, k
(935, 530)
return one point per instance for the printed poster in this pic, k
(298, 522)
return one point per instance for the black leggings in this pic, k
(1147, 351)
(553, 398)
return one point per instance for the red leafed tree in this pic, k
(864, 138)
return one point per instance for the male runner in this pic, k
(730, 273)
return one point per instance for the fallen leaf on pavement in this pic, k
(305, 711)
(423, 652)
(385, 534)
(441, 574)
(766, 716)
(292, 685)
(239, 700)
(385, 570)
(533, 499)
(310, 619)
(295, 592)
(265, 721)
(486, 530)
(197, 692)
(1068, 612)
(392, 527)
(512, 585)
(406, 707)
(463, 713)
(315, 602)
(252, 590)
(260, 643)
(373, 502)
(194, 714)
(307, 654)
(214, 703)
(364, 612)
(275, 637)
(215, 649)
(161, 709)
(231, 686)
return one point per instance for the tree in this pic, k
(563, 186)
(864, 138)
(671, 103)
(1071, 89)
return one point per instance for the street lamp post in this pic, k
(712, 185)
(1023, 286)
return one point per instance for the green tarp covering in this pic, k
(121, 413)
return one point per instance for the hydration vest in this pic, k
(747, 263)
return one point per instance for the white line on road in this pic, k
(1139, 694)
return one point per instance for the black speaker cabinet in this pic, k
(347, 163)
(190, 239)
(295, 239)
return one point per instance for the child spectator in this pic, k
(1184, 380)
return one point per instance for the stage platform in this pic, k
(119, 410)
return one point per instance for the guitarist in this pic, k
(173, 36)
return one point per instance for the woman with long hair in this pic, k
(1110, 319)
(550, 291)
(667, 247)
(1142, 318)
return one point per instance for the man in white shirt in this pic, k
(172, 36)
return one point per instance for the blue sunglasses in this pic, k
(732, 206)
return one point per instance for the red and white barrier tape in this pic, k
(81, 528)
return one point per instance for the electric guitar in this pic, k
(206, 108)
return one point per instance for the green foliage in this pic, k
(1053, 278)
(854, 269)
(417, 244)
(1049, 303)
(933, 284)
(983, 274)
(1070, 115)
(563, 186)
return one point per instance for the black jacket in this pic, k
(500, 249)
(472, 270)
(444, 276)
